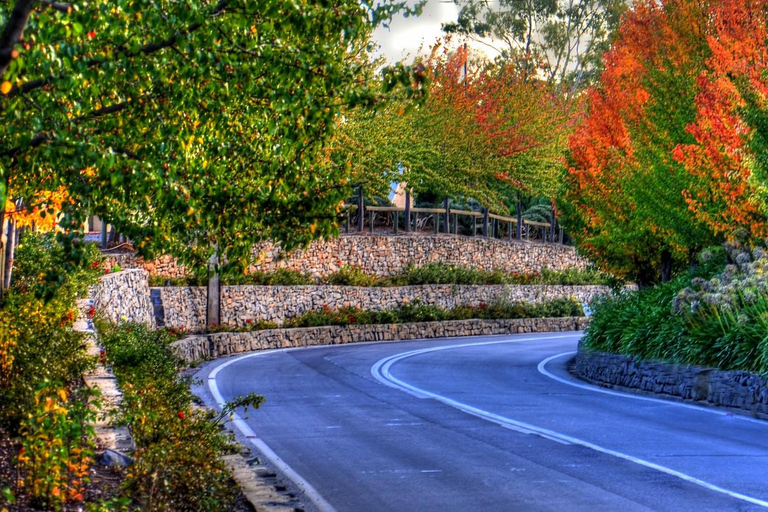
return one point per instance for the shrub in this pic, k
(177, 463)
(57, 442)
(349, 275)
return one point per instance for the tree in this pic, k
(483, 129)
(661, 167)
(194, 128)
(564, 39)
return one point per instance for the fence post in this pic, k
(455, 223)
(447, 225)
(509, 233)
(103, 234)
(395, 219)
(485, 222)
(552, 228)
(520, 218)
(561, 235)
(360, 209)
(407, 210)
(371, 223)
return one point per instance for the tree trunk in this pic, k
(213, 306)
(10, 248)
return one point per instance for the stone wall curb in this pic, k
(193, 349)
(737, 391)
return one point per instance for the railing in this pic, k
(448, 220)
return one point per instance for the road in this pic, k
(484, 424)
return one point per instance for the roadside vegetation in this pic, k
(411, 312)
(715, 316)
(177, 464)
(46, 412)
(433, 273)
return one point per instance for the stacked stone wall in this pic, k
(385, 255)
(212, 346)
(124, 297)
(732, 389)
(185, 307)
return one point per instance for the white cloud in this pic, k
(405, 37)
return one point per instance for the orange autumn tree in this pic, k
(732, 89)
(40, 212)
(652, 177)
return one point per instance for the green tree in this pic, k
(194, 127)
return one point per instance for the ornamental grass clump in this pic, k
(716, 316)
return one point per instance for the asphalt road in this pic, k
(484, 424)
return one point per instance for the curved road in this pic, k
(484, 423)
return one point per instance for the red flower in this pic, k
(94, 264)
(91, 312)
(248, 320)
(91, 34)
(181, 415)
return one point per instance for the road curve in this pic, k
(484, 423)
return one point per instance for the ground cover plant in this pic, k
(177, 462)
(418, 312)
(715, 316)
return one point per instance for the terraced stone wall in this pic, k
(185, 307)
(384, 255)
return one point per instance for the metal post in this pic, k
(371, 224)
(436, 222)
(360, 209)
(485, 222)
(561, 235)
(455, 223)
(395, 218)
(519, 217)
(447, 224)
(552, 228)
(213, 303)
(509, 232)
(407, 210)
(104, 234)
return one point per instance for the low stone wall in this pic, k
(124, 297)
(212, 346)
(733, 389)
(384, 255)
(185, 307)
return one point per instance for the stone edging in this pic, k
(738, 390)
(212, 346)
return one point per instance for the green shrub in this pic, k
(715, 316)
(350, 276)
(177, 462)
(418, 312)
(37, 342)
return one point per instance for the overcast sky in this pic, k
(405, 35)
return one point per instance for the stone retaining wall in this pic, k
(185, 307)
(384, 255)
(124, 297)
(733, 389)
(212, 346)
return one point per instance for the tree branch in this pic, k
(14, 30)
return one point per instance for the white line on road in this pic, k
(309, 491)
(381, 371)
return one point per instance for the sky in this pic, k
(405, 35)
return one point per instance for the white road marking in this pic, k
(595, 389)
(309, 491)
(381, 372)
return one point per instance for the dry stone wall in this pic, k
(212, 346)
(384, 255)
(733, 389)
(124, 297)
(185, 307)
